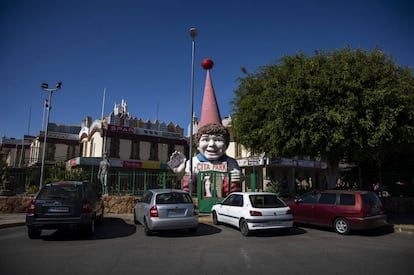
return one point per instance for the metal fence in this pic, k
(132, 182)
(135, 183)
(121, 183)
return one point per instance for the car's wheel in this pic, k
(341, 226)
(90, 228)
(100, 219)
(33, 233)
(135, 218)
(147, 231)
(244, 228)
(214, 216)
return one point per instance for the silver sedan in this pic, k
(166, 209)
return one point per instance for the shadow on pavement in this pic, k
(381, 231)
(110, 229)
(271, 232)
(279, 232)
(202, 230)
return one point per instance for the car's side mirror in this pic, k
(297, 201)
(137, 200)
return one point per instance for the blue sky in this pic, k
(140, 51)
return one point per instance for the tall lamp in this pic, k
(193, 34)
(45, 87)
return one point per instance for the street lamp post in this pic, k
(45, 87)
(193, 34)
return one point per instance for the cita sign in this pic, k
(207, 166)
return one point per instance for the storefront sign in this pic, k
(58, 135)
(132, 164)
(250, 162)
(207, 166)
(120, 129)
(297, 163)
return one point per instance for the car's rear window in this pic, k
(370, 198)
(266, 201)
(61, 191)
(327, 198)
(347, 199)
(173, 198)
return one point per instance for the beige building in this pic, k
(15, 152)
(62, 144)
(128, 142)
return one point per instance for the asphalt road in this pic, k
(119, 247)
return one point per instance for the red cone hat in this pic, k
(210, 113)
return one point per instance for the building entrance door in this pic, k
(212, 186)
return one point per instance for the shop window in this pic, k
(135, 149)
(114, 148)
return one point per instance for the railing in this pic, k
(133, 183)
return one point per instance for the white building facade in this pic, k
(128, 142)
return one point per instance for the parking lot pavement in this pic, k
(401, 222)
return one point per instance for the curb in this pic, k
(12, 224)
(400, 228)
(203, 218)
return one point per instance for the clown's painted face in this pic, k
(212, 146)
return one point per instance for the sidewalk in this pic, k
(401, 222)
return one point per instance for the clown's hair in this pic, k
(213, 129)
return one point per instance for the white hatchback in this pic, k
(250, 211)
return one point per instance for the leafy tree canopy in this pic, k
(346, 103)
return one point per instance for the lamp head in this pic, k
(58, 85)
(193, 33)
(45, 85)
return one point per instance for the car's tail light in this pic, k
(86, 207)
(366, 211)
(372, 210)
(31, 207)
(255, 213)
(153, 211)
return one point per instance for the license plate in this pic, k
(58, 209)
(175, 212)
(273, 223)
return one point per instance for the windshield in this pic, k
(61, 191)
(172, 198)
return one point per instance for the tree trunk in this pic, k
(332, 173)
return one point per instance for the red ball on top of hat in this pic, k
(207, 64)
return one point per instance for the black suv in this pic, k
(65, 205)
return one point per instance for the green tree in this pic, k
(350, 104)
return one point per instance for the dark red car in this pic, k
(341, 209)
